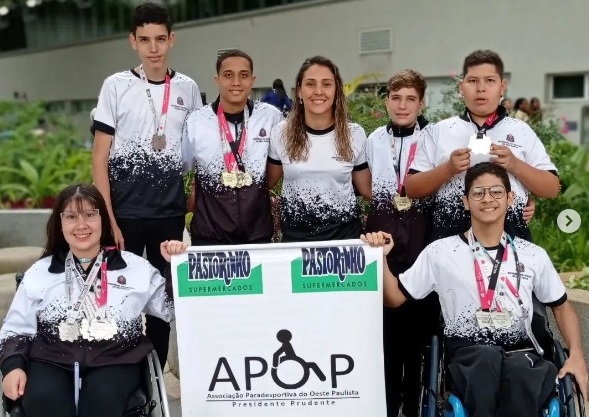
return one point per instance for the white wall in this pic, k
(534, 37)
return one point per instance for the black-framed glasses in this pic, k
(71, 217)
(495, 191)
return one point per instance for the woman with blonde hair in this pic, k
(321, 156)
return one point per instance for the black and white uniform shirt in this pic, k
(31, 327)
(144, 182)
(446, 267)
(441, 139)
(226, 215)
(388, 152)
(318, 200)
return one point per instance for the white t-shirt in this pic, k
(226, 215)
(438, 141)
(446, 266)
(317, 194)
(145, 183)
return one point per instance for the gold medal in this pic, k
(401, 203)
(247, 179)
(229, 179)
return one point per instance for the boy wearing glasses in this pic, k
(484, 132)
(485, 280)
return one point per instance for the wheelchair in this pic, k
(148, 400)
(436, 400)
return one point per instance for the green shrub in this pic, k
(40, 154)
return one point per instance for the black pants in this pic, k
(105, 391)
(148, 234)
(406, 329)
(493, 383)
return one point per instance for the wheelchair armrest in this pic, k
(13, 408)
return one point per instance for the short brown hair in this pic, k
(481, 57)
(407, 79)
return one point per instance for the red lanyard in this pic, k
(412, 150)
(165, 104)
(231, 155)
(103, 297)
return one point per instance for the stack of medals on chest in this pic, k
(87, 314)
(235, 174)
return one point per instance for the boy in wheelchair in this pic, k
(485, 281)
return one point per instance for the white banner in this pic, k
(280, 330)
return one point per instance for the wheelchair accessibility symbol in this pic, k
(286, 353)
(287, 369)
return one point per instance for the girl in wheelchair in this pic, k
(77, 316)
(485, 280)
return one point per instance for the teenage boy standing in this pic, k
(483, 133)
(226, 142)
(137, 150)
(390, 150)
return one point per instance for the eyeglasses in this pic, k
(495, 191)
(71, 217)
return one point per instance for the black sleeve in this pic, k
(13, 362)
(361, 167)
(274, 161)
(102, 127)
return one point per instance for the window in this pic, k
(569, 86)
(40, 24)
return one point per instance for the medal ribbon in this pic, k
(412, 151)
(488, 123)
(165, 104)
(487, 295)
(71, 271)
(232, 149)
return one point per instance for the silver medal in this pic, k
(102, 329)
(69, 332)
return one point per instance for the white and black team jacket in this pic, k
(226, 215)
(31, 331)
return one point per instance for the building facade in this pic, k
(60, 51)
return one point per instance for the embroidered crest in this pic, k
(262, 133)
(520, 267)
(180, 101)
(122, 280)
(510, 138)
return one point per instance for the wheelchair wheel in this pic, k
(569, 392)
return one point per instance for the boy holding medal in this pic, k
(485, 279)
(483, 133)
(136, 160)
(226, 143)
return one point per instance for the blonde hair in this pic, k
(296, 143)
